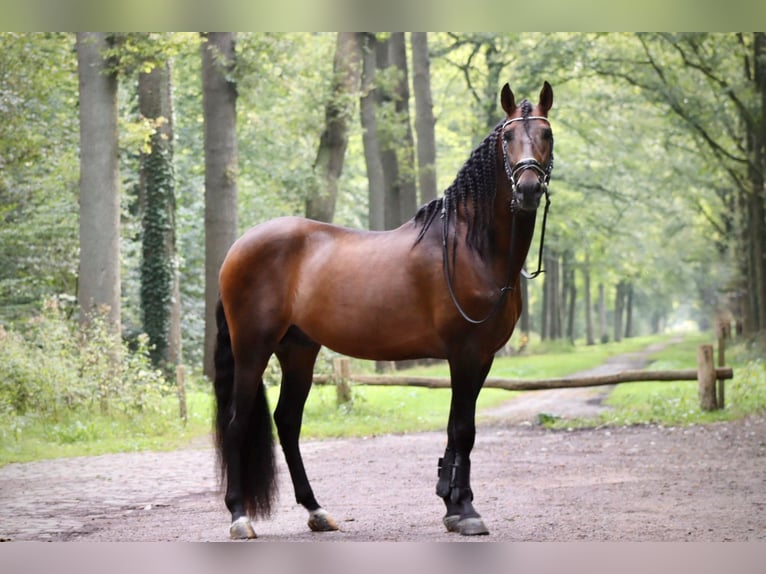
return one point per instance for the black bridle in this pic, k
(513, 171)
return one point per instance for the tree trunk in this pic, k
(757, 199)
(589, 339)
(160, 302)
(99, 274)
(746, 266)
(551, 315)
(571, 305)
(544, 324)
(405, 148)
(557, 331)
(545, 312)
(424, 117)
(603, 334)
(619, 306)
(525, 321)
(219, 97)
(395, 133)
(320, 203)
(629, 310)
(372, 156)
(384, 120)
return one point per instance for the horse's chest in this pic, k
(502, 328)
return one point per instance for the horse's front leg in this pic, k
(454, 484)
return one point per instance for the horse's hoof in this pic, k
(321, 521)
(451, 522)
(242, 529)
(472, 527)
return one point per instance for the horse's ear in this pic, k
(546, 98)
(507, 99)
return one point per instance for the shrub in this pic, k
(747, 391)
(52, 366)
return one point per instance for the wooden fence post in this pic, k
(706, 377)
(341, 370)
(721, 363)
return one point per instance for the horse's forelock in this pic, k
(526, 109)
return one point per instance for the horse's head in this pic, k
(527, 147)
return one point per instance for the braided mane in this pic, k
(474, 183)
(474, 186)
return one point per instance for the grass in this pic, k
(384, 410)
(677, 403)
(30, 437)
(556, 360)
(379, 410)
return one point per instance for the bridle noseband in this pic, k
(512, 171)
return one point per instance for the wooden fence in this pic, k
(710, 379)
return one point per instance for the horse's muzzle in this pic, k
(528, 180)
(527, 196)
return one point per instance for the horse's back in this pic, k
(353, 291)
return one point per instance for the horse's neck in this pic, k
(512, 235)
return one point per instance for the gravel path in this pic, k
(701, 483)
(586, 402)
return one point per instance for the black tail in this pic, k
(258, 471)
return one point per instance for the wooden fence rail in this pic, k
(706, 374)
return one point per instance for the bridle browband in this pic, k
(512, 171)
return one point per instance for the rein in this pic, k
(544, 173)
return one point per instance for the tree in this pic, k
(569, 294)
(619, 309)
(714, 86)
(219, 97)
(160, 295)
(388, 141)
(99, 276)
(552, 300)
(481, 59)
(424, 117)
(628, 310)
(39, 173)
(589, 338)
(372, 154)
(395, 132)
(320, 202)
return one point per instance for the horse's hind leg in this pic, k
(297, 355)
(247, 448)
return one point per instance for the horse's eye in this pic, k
(508, 136)
(547, 135)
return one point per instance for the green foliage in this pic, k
(38, 170)
(630, 188)
(158, 261)
(550, 359)
(67, 381)
(32, 437)
(380, 410)
(677, 403)
(54, 367)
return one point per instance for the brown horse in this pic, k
(448, 291)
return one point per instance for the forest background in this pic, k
(130, 162)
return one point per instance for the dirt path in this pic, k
(573, 403)
(625, 484)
